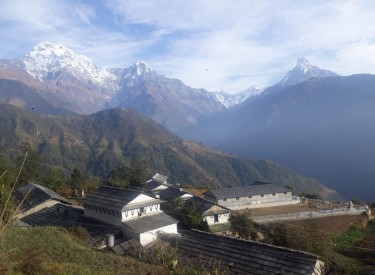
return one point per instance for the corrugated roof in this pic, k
(67, 216)
(37, 194)
(150, 222)
(238, 256)
(258, 188)
(116, 199)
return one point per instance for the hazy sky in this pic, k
(218, 44)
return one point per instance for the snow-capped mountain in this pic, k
(73, 80)
(229, 100)
(304, 71)
(47, 60)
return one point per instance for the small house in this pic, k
(209, 211)
(138, 214)
(258, 194)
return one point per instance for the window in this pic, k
(224, 199)
(285, 193)
(237, 198)
(216, 218)
(250, 197)
(262, 196)
(273, 194)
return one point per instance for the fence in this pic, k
(356, 210)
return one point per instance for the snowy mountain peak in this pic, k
(139, 68)
(48, 59)
(303, 64)
(304, 71)
(229, 100)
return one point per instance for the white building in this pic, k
(139, 215)
(258, 194)
(209, 211)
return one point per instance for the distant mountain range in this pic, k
(322, 127)
(72, 82)
(99, 142)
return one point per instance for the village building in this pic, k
(210, 212)
(236, 256)
(258, 194)
(138, 214)
(33, 197)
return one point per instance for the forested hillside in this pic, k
(99, 143)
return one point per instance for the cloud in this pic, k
(84, 12)
(215, 44)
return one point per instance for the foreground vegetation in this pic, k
(51, 250)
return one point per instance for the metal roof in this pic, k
(160, 178)
(255, 189)
(238, 256)
(149, 222)
(37, 194)
(116, 199)
(67, 216)
(201, 205)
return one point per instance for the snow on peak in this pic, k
(138, 69)
(303, 64)
(304, 71)
(229, 100)
(48, 58)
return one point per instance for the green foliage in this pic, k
(313, 242)
(32, 169)
(76, 178)
(348, 239)
(48, 250)
(243, 226)
(282, 235)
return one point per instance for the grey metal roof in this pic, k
(66, 216)
(160, 178)
(116, 199)
(201, 205)
(242, 257)
(258, 188)
(37, 194)
(149, 222)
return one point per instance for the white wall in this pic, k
(150, 236)
(131, 214)
(222, 218)
(259, 201)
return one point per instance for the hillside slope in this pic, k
(99, 142)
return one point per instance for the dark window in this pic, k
(216, 218)
(250, 197)
(224, 199)
(285, 193)
(262, 195)
(273, 194)
(237, 198)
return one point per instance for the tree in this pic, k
(76, 178)
(243, 226)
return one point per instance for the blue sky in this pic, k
(212, 44)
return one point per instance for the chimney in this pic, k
(109, 240)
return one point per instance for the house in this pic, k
(138, 214)
(67, 216)
(236, 256)
(34, 197)
(209, 211)
(258, 194)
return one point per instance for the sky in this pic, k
(213, 44)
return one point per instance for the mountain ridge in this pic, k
(99, 142)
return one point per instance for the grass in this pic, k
(53, 250)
